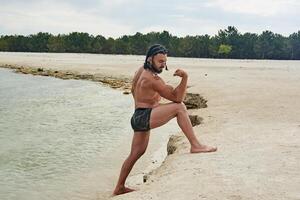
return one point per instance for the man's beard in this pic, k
(156, 69)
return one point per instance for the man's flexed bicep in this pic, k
(176, 95)
(164, 90)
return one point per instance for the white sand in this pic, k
(253, 116)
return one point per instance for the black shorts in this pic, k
(140, 121)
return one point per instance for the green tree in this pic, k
(39, 42)
(224, 50)
(109, 46)
(16, 43)
(232, 37)
(280, 50)
(98, 44)
(186, 46)
(4, 45)
(247, 46)
(138, 44)
(121, 46)
(227, 43)
(78, 42)
(265, 45)
(56, 44)
(294, 45)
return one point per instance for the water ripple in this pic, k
(54, 132)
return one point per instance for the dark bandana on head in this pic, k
(152, 51)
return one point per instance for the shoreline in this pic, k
(111, 81)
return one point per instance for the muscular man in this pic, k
(147, 90)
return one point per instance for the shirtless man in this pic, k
(147, 90)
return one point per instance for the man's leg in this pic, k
(161, 114)
(138, 147)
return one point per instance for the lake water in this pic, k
(56, 135)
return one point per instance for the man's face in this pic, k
(159, 61)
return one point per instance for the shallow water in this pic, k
(56, 135)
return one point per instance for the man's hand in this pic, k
(180, 73)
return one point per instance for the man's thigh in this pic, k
(161, 114)
(140, 141)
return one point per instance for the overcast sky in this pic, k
(114, 18)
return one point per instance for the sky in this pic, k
(114, 18)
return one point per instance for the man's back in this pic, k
(142, 91)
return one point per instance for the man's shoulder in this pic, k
(156, 82)
(151, 77)
(138, 72)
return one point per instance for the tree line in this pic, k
(228, 43)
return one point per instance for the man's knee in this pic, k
(180, 107)
(138, 152)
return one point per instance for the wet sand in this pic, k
(252, 116)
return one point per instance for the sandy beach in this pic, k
(253, 116)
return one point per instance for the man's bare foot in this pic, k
(203, 149)
(122, 190)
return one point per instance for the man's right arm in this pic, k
(180, 90)
(176, 95)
